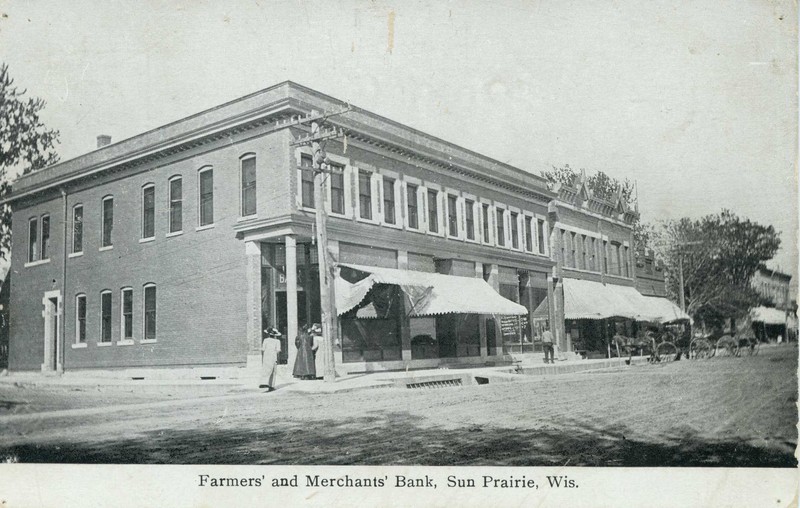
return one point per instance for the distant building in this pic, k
(596, 282)
(650, 279)
(773, 285)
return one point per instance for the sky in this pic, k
(695, 101)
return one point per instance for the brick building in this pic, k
(177, 247)
(598, 292)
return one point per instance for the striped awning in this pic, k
(584, 299)
(429, 293)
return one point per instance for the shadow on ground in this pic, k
(399, 439)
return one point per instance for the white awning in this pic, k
(666, 311)
(429, 293)
(768, 316)
(584, 299)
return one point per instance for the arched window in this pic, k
(107, 222)
(77, 229)
(80, 319)
(175, 204)
(205, 191)
(149, 317)
(148, 211)
(248, 184)
(126, 314)
(105, 316)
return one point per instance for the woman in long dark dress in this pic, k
(304, 363)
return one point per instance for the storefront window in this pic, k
(371, 331)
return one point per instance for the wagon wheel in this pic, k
(726, 346)
(700, 349)
(752, 346)
(666, 352)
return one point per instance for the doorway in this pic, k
(52, 318)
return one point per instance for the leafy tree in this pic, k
(25, 143)
(605, 187)
(718, 255)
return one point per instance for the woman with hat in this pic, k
(304, 362)
(270, 347)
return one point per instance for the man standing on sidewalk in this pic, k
(547, 346)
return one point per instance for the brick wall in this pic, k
(199, 275)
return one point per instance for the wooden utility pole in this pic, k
(321, 168)
(325, 282)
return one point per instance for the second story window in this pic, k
(433, 211)
(501, 226)
(528, 234)
(206, 201)
(514, 230)
(77, 229)
(248, 186)
(486, 227)
(307, 181)
(33, 243)
(107, 221)
(148, 211)
(452, 215)
(365, 194)
(388, 200)
(337, 189)
(45, 237)
(412, 205)
(540, 235)
(573, 244)
(469, 218)
(176, 205)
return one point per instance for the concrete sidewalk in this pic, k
(345, 383)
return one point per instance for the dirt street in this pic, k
(718, 412)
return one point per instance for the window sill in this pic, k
(203, 228)
(75, 254)
(37, 263)
(339, 215)
(126, 342)
(147, 240)
(107, 247)
(246, 218)
(367, 221)
(174, 233)
(393, 226)
(104, 344)
(79, 345)
(148, 341)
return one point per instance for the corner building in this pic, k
(177, 247)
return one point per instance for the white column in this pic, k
(291, 297)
